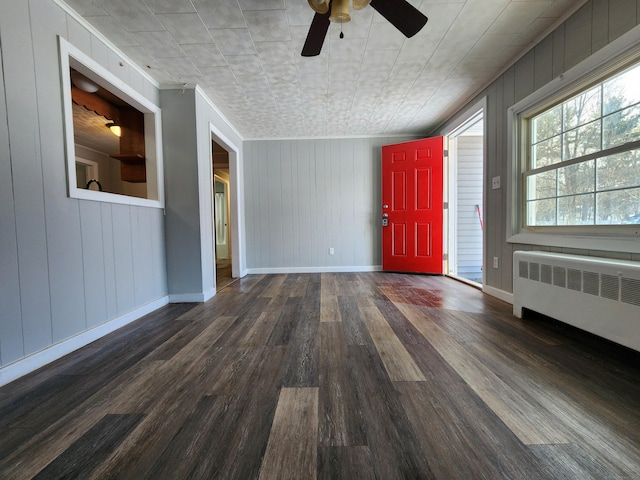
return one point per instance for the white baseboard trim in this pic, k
(501, 294)
(209, 294)
(192, 297)
(341, 269)
(28, 364)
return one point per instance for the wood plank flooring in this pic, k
(331, 376)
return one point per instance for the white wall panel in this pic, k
(272, 228)
(345, 173)
(543, 61)
(266, 207)
(250, 203)
(159, 272)
(558, 51)
(318, 194)
(11, 346)
(109, 259)
(64, 245)
(287, 204)
(123, 258)
(66, 264)
(622, 17)
(95, 297)
(78, 35)
(321, 204)
(600, 24)
(577, 36)
(361, 211)
(24, 141)
(142, 255)
(305, 187)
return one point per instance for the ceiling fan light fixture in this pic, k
(360, 4)
(340, 11)
(319, 6)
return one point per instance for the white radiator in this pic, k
(599, 295)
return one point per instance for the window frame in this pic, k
(616, 56)
(72, 57)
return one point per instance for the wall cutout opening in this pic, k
(112, 134)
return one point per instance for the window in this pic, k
(112, 133)
(582, 159)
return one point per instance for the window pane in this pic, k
(578, 178)
(621, 127)
(582, 109)
(541, 212)
(619, 171)
(619, 207)
(576, 210)
(547, 125)
(541, 185)
(546, 153)
(622, 91)
(582, 141)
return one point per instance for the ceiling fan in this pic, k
(400, 13)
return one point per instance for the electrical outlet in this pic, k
(495, 262)
(495, 183)
(331, 251)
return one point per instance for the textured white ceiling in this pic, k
(245, 54)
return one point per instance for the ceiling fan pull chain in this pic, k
(341, 34)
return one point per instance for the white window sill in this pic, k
(107, 197)
(608, 243)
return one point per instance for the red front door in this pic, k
(412, 204)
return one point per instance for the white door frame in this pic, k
(455, 128)
(235, 195)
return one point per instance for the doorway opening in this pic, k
(466, 205)
(221, 215)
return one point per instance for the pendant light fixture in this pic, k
(114, 128)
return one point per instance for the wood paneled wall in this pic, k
(594, 25)
(303, 197)
(66, 265)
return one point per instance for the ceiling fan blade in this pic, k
(317, 32)
(402, 15)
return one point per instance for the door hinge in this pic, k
(445, 257)
(446, 153)
(445, 205)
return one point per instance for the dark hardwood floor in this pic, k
(336, 376)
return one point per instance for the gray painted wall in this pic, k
(186, 118)
(592, 27)
(303, 197)
(66, 265)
